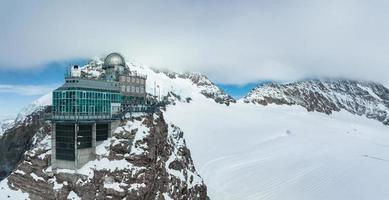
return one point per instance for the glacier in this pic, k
(246, 151)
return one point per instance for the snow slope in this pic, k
(247, 151)
(5, 124)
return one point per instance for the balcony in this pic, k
(81, 116)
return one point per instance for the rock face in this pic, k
(17, 139)
(146, 158)
(361, 98)
(209, 89)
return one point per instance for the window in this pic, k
(84, 136)
(64, 142)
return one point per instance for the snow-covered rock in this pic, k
(18, 138)
(6, 124)
(163, 83)
(37, 105)
(146, 158)
(358, 97)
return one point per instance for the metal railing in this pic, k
(79, 116)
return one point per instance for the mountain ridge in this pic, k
(327, 95)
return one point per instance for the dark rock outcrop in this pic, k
(17, 139)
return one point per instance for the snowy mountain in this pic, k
(206, 144)
(37, 105)
(357, 97)
(185, 85)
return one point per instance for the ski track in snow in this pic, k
(284, 152)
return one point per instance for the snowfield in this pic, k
(247, 151)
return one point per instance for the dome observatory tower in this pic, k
(114, 63)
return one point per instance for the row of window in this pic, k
(71, 81)
(132, 89)
(70, 94)
(130, 79)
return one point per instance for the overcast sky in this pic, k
(233, 42)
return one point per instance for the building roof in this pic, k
(77, 82)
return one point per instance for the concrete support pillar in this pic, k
(110, 129)
(94, 138)
(112, 126)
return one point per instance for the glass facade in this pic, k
(84, 136)
(64, 142)
(84, 102)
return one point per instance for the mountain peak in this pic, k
(327, 95)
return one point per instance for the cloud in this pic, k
(231, 41)
(27, 90)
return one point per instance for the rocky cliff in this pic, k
(145, 159)
(358, 97)
(19, 138)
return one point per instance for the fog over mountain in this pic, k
(231, 41)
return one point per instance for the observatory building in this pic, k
(86, 111)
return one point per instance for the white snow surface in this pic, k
(247, 151)
(7, 193)
(73, 196)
